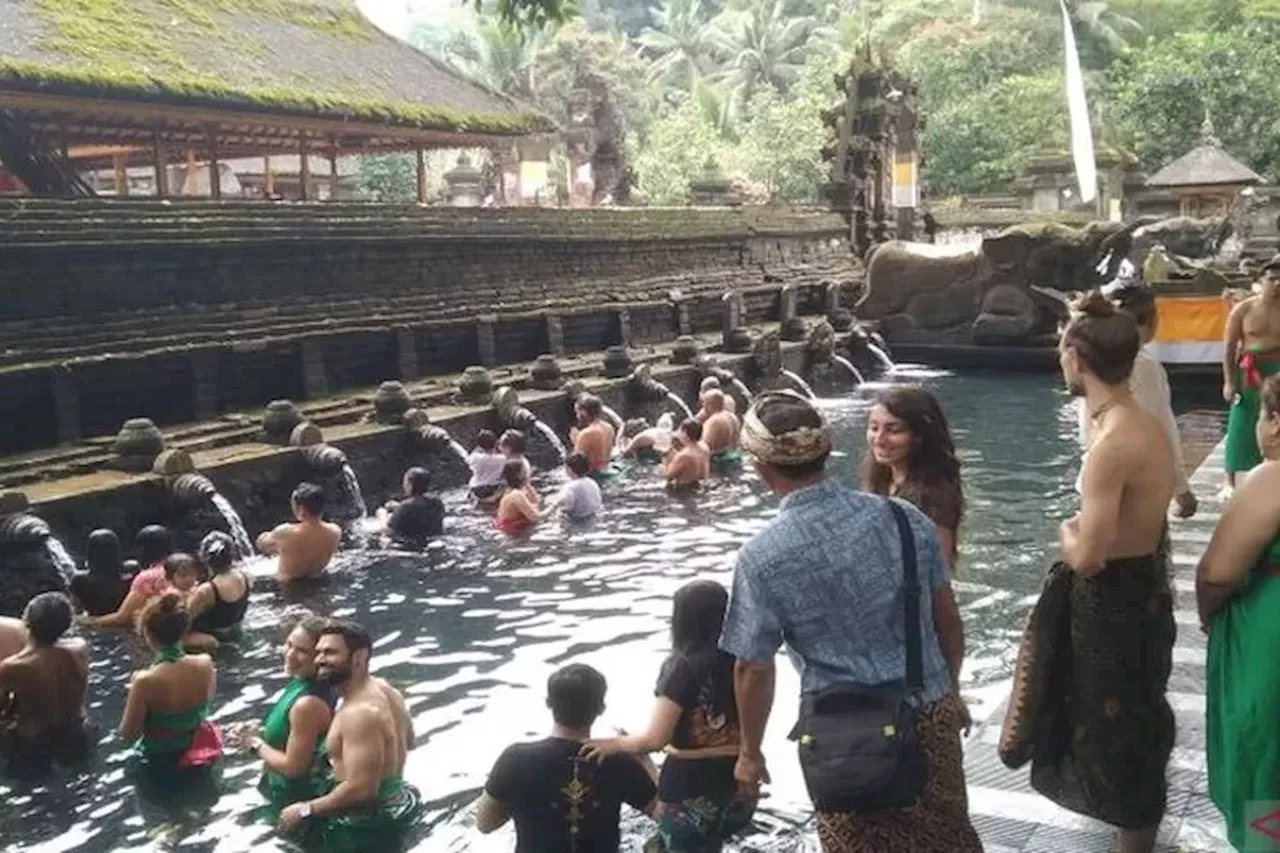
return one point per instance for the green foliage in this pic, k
(779, 150)
(389, 177)
(530, 14)
(610, 57)
(678, 146)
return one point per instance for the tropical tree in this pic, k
(499, 55)
(1102, 32)
(768, 46)
(683, 45)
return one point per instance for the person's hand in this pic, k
(290, 817)
(85, 620)
(246, 734)
(1229, 392)
(750, 773)
(1187, 504)
(599, 750)
(966, 718)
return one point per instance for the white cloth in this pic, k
(1149, 385)
(486, 469)
(580, 499)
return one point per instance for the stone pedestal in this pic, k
(732, 316)
(465, 182)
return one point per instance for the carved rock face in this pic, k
(617, 362)
(546, 373)
(390, 402)
(137, 444)
(820, 343)
(324, 459)
(279, 420)
(191, 490)
(685, 350)
(841, 319)
(475, 386)
(739, 340)
(767, 354)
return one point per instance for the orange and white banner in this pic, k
(1190, 329)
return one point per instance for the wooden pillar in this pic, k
(268, 180)
(304, 170)
(189, 185)
(122, 175)
(215, 174)
(422, 176)
(333, 169)
(162, 167)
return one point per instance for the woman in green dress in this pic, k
(291, 737)
(1238, 591)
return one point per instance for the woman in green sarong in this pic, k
(176, 748)
(290, 740)
(1238, 591)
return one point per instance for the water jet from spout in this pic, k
(60, 558)
(550, 435)
(882, 357)
(799, 382)
(238, 532)
(854, 372)
(683, 406)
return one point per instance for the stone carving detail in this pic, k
(596, 138)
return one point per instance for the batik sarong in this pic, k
(1106, 729)
(700, 824)
(938, 822)
(1241, 452)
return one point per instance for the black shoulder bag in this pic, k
(860, 746)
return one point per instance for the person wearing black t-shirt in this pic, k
(560, 801)
(696, 717)
(420, 515)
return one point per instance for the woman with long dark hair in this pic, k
(911, 455)
(696, 720)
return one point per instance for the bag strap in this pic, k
(911, 597)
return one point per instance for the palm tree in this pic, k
(1103, 33)
(499, 55)
(684, 44)
(769, 46)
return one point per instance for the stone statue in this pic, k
(596, 138)
(1009, 291)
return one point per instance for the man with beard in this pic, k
(1112, 726)
(1252, 354)
(368, 806)
(688, 462)
(594, 438)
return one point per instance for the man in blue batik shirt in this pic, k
(825, 577)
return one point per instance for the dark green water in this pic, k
(471, 630)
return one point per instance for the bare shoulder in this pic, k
(1261, 484)
(334, 530)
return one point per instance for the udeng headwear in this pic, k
(797, 447)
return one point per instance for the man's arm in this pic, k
(362, 759)
(491, 809)
(753, 689)
(1232, 337)
(1248, 524)
(1151, 389)
(1087, 538)
(491, 813)
(680, 466)
(308, 719)
(270, 541)
(123, 617)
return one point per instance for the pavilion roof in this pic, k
(313, 59)
(1206, 165)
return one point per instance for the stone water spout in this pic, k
(199, 510)
(432, 438)
(390, 402)
(32, 560)
(137, 445)
(726, 378)
(344, 501)
(643, 388)
(512, 415)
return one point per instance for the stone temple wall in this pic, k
(184, 311)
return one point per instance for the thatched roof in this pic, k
(1206, 165)
(318, 58)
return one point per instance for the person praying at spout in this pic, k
(303, 548)
(720, 431)
(688, 462)
(594, 438)
(708, 385)
(513, 445)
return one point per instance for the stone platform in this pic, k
(1010, 816)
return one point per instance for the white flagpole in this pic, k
(1081, 130)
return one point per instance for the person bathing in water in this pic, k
(579, 499)
(1252, 354)
(648, 443)
(218, 605)
(594, 438)
(154, 544)
(43, 686)
(712, 384)
(513, 445)
(419, 515)
(367, 805)
(486, 462)
(305, 547)
(518, 509)
(688, 461)
(720, 431)
(102, 586)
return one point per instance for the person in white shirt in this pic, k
(579, 499)
(486, 468)
(1149, 385)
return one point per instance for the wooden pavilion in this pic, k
(127, 83)
(1207, 180)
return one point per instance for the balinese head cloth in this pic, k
(797, 447)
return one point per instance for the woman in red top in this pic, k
(518, 509)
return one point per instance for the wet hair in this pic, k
(486, 440)
(692, 428)
(102, 553)
(154, 543)
(515, 440)
(1271, 396)
(634, 427)
(166, 619)
(590, 404)
(782, 413)
(577, 463)
(1103, 337)
(300, 617)
(355, 635)
(514, 473)
(697, 616)
(1137, 300)
(310, 497)
(217, 552)
(933, 469)
(714, 396)
(48, 616)
(575, 695)
(709, 383)
(419, 480)
(180, 562)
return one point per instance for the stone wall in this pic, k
(182, 311)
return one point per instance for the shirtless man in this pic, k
(594, 438)
(720, 430)
(1120, 604)
(13, 636)
(1252, 353)
(688, 462)
(304, 548)
(42, 689)
(713, 384)
(368, 740)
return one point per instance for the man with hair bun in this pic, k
(1108, 729)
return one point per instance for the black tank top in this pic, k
(223, 614)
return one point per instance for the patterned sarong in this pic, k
(938, 822)
(1241, 452)
(701, 824)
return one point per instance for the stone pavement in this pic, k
(1010, 816)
